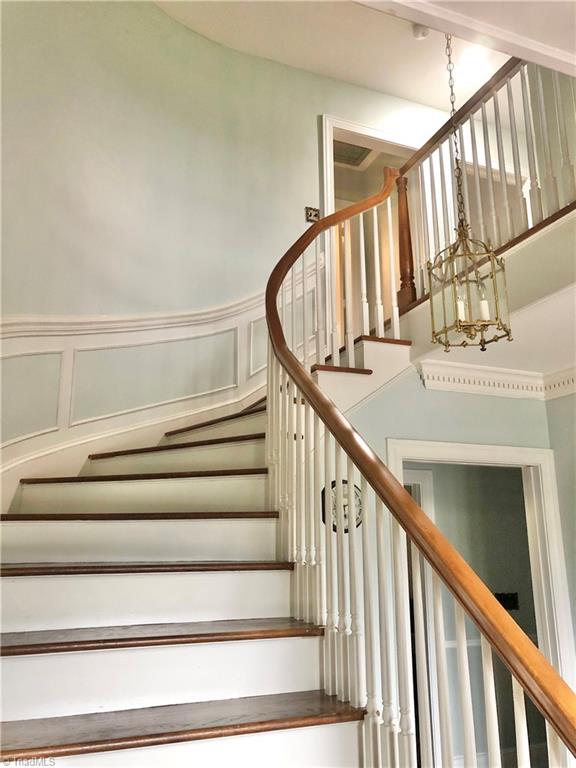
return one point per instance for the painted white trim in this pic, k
(21, 326)
(547, 557)
(499, 382)
(251, 370)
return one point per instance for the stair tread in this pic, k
(138, 635)
(178, 446)
(119, 516)
(341, 369)
(176, 566)
(99, 731)
(144, 476)
(220, 420)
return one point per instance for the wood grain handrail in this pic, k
(549, 692)
(503, 74)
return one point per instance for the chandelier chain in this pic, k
(462, 224)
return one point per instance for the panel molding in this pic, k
(499, 382)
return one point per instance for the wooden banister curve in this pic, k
(539, 679)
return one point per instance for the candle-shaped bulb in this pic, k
(461, 308)
(484, 305)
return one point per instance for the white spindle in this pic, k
(283, 459)
(520, 726)
(495, 239)
(373, 718)
(291, 469)
(477, 186)
(319, 306)
(433, 200)
(392, 267)
(320, 551)
(293, 313)
(427, 247)
(416, 227)
(331, 655)
(425, 741)
(348, 295)
(568, 181)
(444, 197)
(344, 629)
(305, 330)
(490, 710)
(310, 548)
(535, 194)
(502, 169)
(299, 509)
(389, 709)
(379, 308)
(334, 298)
(550, 187)
(357, 663)
(328, 245)
(442, 674)
(521, 222)
(407, 735)
(465, 688)
(465, 190)
(363, 288)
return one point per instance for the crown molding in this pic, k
(498, 382)
(20, 326)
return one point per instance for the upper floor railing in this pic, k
(364, 551)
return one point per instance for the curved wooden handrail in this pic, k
(503, 74)
(551, 694)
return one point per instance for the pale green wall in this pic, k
(29, 394)
(562, 428)
(149, 169)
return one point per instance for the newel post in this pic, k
(407, 292)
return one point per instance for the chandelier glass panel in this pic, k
(468, 295)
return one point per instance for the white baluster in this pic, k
(379, 307)
(520, 726)
(299, 509)
(495, 239)
(416, 227)
(568, 181)
(442, 675)
(358, 662)
(521, 223)
(373, 719)
(328, 289)
(392, 266)
(491, 712)
(283, 461)
(477, 186)
(434, 205)
(502, 169)
(348, 295)
(465, 190)
(305, 330)
(320, 551)
(344, 629)
(465, 689)
(293, 314)
(334, 295)
(535, 194)
(319, 307)
(550, 187)
(363, 288)
(331, 633)
(444, 197)
(310, 570)
(427, 247)
(291, 472)
(426, 751)
(389, 709)
(407, 735)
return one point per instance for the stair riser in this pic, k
(324, 746)
(139, 540)
(234, 493)
(246, 425)
(57, 602)
(242, 455)
(48, 685)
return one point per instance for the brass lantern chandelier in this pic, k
(468, 296)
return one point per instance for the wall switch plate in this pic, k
(312, 214)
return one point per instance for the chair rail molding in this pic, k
(498, 382)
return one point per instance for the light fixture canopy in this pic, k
(468, 294)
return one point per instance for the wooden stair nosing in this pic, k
(177, 566)
(220, 420)
(148, 635)
(172, 723)
(179, 446)
(341, 369)
(373, 337)
(18, 517)
(144, 476)
(256, 404)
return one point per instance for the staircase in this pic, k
(144, 605)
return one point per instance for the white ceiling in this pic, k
(542, 31)
(344, 40)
